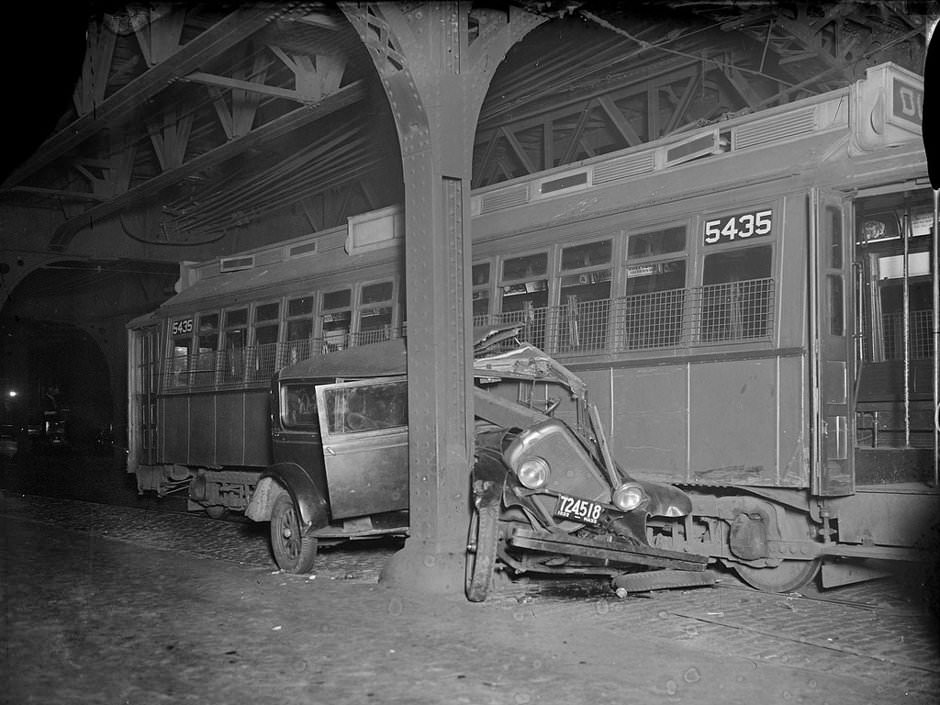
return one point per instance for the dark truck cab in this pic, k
(339, 431)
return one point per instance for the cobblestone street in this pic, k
(124, 605)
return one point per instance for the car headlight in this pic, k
(533, 473)
(629, 496)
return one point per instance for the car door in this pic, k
(364, 430)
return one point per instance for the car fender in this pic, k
(666, 500)
(489, 476)
(291, 478)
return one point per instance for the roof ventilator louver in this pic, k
(775, 129)
(624, 168)
(504, 198)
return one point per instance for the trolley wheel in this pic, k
(786, 577)
(482, 540)
(294, 552)
(216, 511)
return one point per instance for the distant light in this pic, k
(11, 393)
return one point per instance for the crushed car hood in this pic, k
(526, 361)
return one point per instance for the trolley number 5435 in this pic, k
(183, 327)
(738, 227)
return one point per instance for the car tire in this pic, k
(482, 542)
(294, 551)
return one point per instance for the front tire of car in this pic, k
(482, 541)
(294, 551)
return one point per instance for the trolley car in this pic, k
(748, 302)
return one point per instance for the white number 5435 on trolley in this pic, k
(738, 227)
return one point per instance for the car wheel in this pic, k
(482, 541)
(294, 552)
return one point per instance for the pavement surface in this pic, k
(116, 604)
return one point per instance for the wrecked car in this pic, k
(547, 495)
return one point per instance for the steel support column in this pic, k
(435, 78)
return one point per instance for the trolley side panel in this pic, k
(650, 425)
(174, 421)
(257, 433)
(793, 451)
(202, 430)
(230, 431)
(733, 436)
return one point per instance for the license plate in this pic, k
(583, 510)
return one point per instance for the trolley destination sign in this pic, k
(907, 104)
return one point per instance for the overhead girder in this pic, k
(125, 102)
(790, 50)
(822, 47)
(92, 82)
(127, 177)
(182, 106)
(271, 131)
(678, 98)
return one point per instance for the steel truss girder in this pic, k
(127, 101)
(270, 131)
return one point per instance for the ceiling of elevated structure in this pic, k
(190, 125)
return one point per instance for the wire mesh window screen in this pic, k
(734, 311)
(653, 320)
(921, 335)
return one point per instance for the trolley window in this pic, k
(525, 294)
(736, 295)
(335, 320)
(235, 340)
(181, 335)
(656, 243)
(835, 287)
(585, 296)
(891, 301)
(655, 292)
(267, 331)
(299, 328)
(376, 312)
(207, 347)
(881, 222)
(480, 275)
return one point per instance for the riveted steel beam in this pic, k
(435, 77)
(225, 33)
